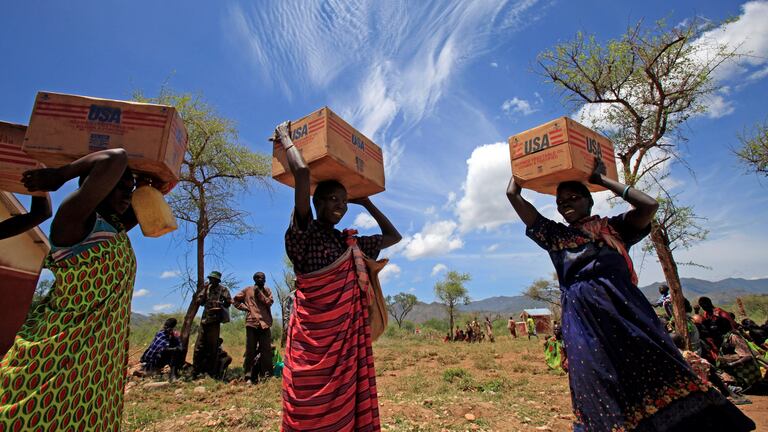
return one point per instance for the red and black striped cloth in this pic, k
(329, 381)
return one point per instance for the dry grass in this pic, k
(424, 385)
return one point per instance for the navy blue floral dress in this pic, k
(625, 373)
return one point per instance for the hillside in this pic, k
(721, 292)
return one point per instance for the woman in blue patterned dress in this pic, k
(625, 372)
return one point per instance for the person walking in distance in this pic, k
(256, 301)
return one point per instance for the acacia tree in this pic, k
(400, 306)
(452, 292)
(215, 170)
(649, 83)
(547, 291)
(754, 149)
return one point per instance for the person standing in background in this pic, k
(255, 301)
(215, 299)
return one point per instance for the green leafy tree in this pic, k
(41, 291)
(547, 291)
(648, 82)
(400, 306)
(451, 292)
(754, 149)
(215, 171)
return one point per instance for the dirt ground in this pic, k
(424, 385)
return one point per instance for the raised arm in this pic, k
(389, 234)
(527, 212)
(103, 170)
(300, 171)
(643, 206)
(39, 211)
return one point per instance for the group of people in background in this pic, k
(472, 332)
(209, 356)
(730, 355)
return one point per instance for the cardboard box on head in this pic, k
(13, 160)
(65, 127)
(557, 151)
(333, 150)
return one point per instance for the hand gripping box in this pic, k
(13, 161)
(64, 128)
(333, 150)
(557, 151)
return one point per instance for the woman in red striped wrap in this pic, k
(329, 381)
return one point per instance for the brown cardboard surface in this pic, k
(21, 260)
(64, 128)
(13, 160)
(557, 151)
(333, 150)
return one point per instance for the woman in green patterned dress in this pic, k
(66, 368)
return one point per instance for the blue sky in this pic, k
(439, 85)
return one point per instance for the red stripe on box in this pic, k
(14, 153)
(344, 134)
(63, 105)
(316, 121)
(64, 110)
(12, 147)
(333, 122)
(162, 117)
(20, 162)
(142, 121)
(46, 114)
(373, 151)
(136, 123)
(373, 156)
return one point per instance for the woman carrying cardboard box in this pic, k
(329, 381)
(66, 368)
(624, 371)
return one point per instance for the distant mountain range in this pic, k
(721, 292)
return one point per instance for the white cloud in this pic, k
(494, 65)
(515, 105)
(364, 221)
(439, 267)
(140, 293)
(393, 65)
(436, 238)
(169, 274)
(162, 307)
(748, 35)
(484, 204)
(390, 271)
(493, 248)
(717, 106)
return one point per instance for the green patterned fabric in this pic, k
(552, 353)
(66, 369)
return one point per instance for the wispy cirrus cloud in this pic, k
(384, 64)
